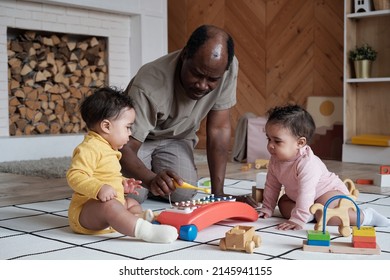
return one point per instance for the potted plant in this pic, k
(363, 56)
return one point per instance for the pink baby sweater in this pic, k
(305, 178)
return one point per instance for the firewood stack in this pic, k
(48, 77)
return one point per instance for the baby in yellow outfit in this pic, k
(98, 203)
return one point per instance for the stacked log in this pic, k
(48, 76)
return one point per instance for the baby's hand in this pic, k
(288, 225)
(130, 185)
(263, 215)
(106, 193)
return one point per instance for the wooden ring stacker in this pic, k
(341, 211)
(342, 247)
(340, 197)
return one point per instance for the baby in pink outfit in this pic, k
(305, 177)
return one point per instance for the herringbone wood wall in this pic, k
(287, 49)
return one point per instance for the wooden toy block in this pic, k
(382, 180)
(318, 238)
(364, 244)
(240, 238)
(363, 231)
(317, 235)
(246, 167)
(261, 163)
(261, 178)
(342, 248)
(364, 239)
(318, 242)
(371, 140)
(384, 169)
(257, 194)
(365, 181)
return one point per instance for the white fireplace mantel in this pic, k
(137, 34)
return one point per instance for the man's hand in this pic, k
(106, 193)
(130, 186)
(162, 184)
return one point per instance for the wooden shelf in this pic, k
(366, 101)
(369, 14)
(369, 80)
(366, 154)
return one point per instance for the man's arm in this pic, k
(218, 143)
(218, 131)
(133, 167)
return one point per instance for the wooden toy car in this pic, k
(240, 238)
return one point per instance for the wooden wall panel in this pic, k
(287, 50)
(245, 21)
(185, 16)
(177, 24)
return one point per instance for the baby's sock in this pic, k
(155, 233)
(148, 215)
(373, 218)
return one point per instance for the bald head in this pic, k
(204, 60)
(217, 41)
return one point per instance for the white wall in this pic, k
(136, 31)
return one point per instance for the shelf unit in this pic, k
(366, 101)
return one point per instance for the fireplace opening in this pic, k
(48, 76)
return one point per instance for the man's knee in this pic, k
(182, 195)
(141, 197)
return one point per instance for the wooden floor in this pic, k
(17, 189)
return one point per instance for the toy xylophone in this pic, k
(190, 217)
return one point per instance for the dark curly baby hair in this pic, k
(104, 103)
(294, 118)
